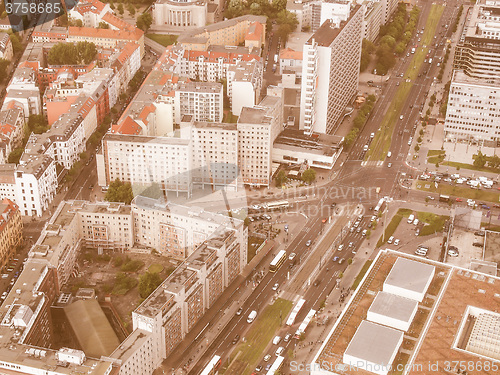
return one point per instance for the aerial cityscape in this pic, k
(237, 187)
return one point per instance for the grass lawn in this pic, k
(434, 160)
(489, 195)
(434, 223)
(155, 268)
(391, 228)
(253, 245)
(382, 141)
(164, 40)
(258, 337)
(493, 228)
(361, 274)
(435, 152)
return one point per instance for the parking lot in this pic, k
(464, 242)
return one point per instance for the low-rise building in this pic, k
(6, 51)
(11, 234)
(180, 13)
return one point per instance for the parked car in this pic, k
(396, 241)
(477, 244)
(258, 368)
(308, 243)
(240, 310)
(479, 233)
(335, 259)
(292, 256)
(276, 286)
(267, 357)
(341, 246)
(391, 238)
(236, 338)
(341, 260)
(287, 338)
(452, 253)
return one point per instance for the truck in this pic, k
(252, 316)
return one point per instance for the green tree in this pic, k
(148, 282)
(15, 155)
(72, 54)
(120, 9)
(144, 21)
(494, 161)
(281, 178)
(309, 175)
(480, 160)
(38, 124)
(16, 43)
(247, 221)
(103, 25)
(119, 192)
(4, 64)
(131, 9)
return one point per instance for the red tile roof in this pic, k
(254, 32)
(105, 33)
(211, 56)
(290, 54)
(128, 127)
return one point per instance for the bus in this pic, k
(305, 323)
(295, 311)
(277, 205)
(277, 261)
(379, 205)
(277, 365)
(212, 367)
(444, 198)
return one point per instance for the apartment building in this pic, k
(11, 230)
(36, 183)
(90, 12)
(258, 127)
(23, 90)
(63, 142)
(330, 72)
(214, 154)
(244, 84)
(11, 130)
(173, 309)
(478, 51)
(182, 13)
(290, 60)
(202, 100)
(212, 65)
(143, 160)
(6, 51)
(232, 32)
(373, 19)
(106, 38)
(473, 111)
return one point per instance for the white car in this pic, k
(391, 238)
(276, 286)
(341, 246)
(401, 117)
(279, 351)
(396, 241)
(276, 340)
(415, 222)
(292, 256)
(453, 253)
(364, 232)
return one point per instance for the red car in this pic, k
(459, 200)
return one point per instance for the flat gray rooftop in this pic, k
(410, 275)
(393, 306)
(374, 343)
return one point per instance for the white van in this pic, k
(365, 148)
(411, 218)
(389, 154)
(252, 316)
